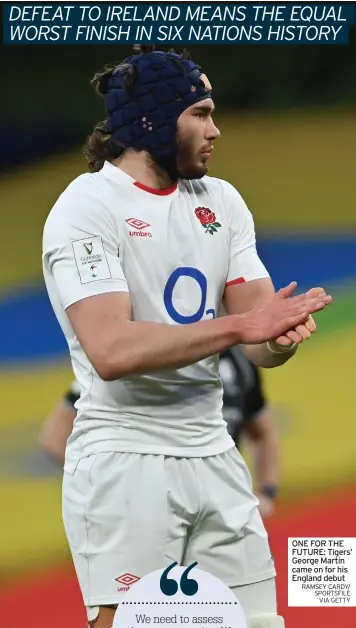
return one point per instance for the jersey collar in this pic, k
(116, 174)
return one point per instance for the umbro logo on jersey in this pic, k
(127, 579)
(139, 225)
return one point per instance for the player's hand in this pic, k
(301, 332)
(281, 314)
(266, 506)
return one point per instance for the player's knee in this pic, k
(268, 620)
(101, 616)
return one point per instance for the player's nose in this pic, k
(211, 131)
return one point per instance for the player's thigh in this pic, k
(230, 541)
(118, 523)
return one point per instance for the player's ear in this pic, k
(205, 80)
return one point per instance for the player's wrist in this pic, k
(235, 328)
(269, 490)
(242, 329)
(276, 348)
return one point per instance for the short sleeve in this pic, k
(244, 262)
(81, 247)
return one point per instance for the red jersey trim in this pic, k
(235, 281)
(155, 191)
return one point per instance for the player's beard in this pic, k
(187, 163)
(182, 164)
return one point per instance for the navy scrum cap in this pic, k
(145, 95)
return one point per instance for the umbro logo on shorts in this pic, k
(139, 225)
(127, 580)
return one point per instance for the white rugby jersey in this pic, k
(173, 251)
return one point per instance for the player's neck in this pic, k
(140, 167)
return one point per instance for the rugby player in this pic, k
(139, 255)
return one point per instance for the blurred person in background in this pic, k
(249, 417)
(58, 426)
(149, 412)
(245, 411)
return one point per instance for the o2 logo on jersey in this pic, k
(194, 273)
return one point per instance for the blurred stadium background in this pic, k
(287, 115)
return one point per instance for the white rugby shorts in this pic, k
(128, 514)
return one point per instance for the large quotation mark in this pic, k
(169, 586)
(197, 275)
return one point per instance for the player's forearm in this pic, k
(263, 357)
(267, 461)
(144, 347)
